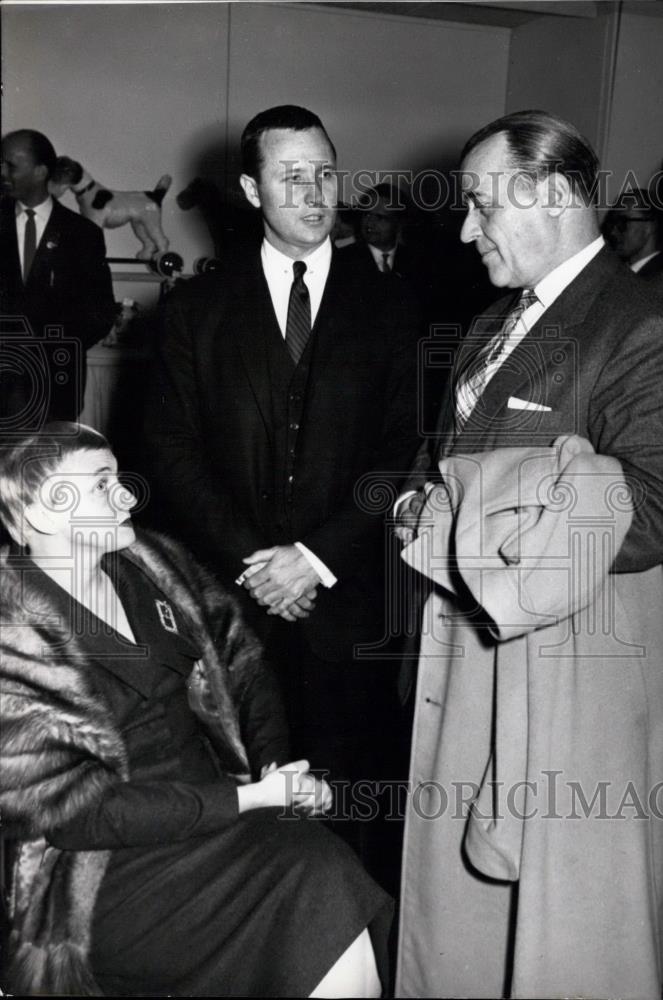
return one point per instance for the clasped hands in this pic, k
(289, 786)
(282, 580)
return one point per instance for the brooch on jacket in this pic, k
(166, 616)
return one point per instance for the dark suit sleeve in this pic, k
(263, 725)
(187, 499)
(626, 416)
(135, 814)
(350, 533)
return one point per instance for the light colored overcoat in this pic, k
(568, 902)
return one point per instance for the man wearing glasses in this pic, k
(634, 229)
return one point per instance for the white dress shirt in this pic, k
(277, 268)
(378, 256)
(639, 264)
(42, 215)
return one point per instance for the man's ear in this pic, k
(250, 189)
(38, 517)
(557, 192)
(41, 171)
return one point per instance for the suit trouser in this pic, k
(345, 718)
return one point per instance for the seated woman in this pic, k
(163, 841)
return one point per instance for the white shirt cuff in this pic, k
(327, 578)
(428, 486)
(401, 500)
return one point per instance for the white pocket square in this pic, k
(524, 404)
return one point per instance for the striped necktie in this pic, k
(472, 378)
(298, 324)
(29, 242)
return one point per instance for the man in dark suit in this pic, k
(575, 348)
(382, 212)
(380, 218)
(54, 275)
(284, 400)
(634, 229)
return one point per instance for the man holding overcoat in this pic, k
(534, 843)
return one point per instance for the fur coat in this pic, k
(60, 750)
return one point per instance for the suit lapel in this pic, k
(329, 305)
(445, 430)
(547, 346)
(333, 325)
(252, 316)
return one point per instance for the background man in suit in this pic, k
(54, 273)
(285, 389)
(634, 229)
(575, 348)
(380, 226)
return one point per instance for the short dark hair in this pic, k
(26, 464)
(41, 148)
(284, 116)
(539, 144)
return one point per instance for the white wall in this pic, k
(635, 142)
(134, 91)
(563, 65)
(394, 92)
(126, 90)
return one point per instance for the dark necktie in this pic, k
(29, 242)
(298, 326)
(386, 268)
(471, 379)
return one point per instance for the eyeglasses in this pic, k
(623, 221)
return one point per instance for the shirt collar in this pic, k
(550, 287)
(275, 262)
(42, 211)
(639, 264)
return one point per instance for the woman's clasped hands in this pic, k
(289, 786)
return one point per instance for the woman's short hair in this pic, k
(26, 464)
(540, 144)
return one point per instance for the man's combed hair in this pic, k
(284, 116)
(41, 148)
(540, 144)
(26, 464)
